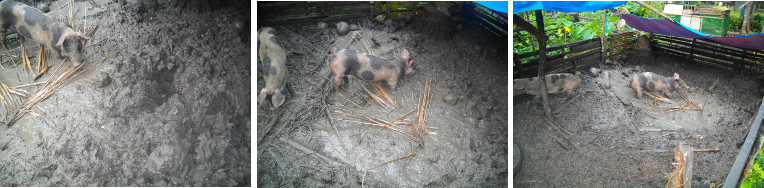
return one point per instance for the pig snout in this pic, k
(71, 45)
(369, 67)
(679, 83)
(274, 71)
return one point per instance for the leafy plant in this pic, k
(755, 174)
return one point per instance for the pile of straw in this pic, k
(413, 130)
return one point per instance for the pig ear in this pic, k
(277, 99)
(405, 54)
(61, 41)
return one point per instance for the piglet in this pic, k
(653, 82)
(274, 70)
(369, 67)
(32, 23)
(555, 83)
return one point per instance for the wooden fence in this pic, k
(584, 53)
(744, 61)
(310, 12)
(289, 12)
(493, 21)
(575, 55)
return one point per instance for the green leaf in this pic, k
(567, 23)
(578, 31)
(745, 184)
(587, 35)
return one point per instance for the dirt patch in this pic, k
(469, 110)
(625, 141)
(172, 109)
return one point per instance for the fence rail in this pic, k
(711, 52)
(574, 55)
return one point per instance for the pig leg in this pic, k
(337, 72)
(667, 92)
(392, 83)
(4, 40)
(261, 96)
(291, 90)
(636, 86)
(277, 99)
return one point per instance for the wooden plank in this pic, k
(708, 60)
(740, 52)
(559, 47)
(304, 9)
(688, 154)
(699, 53)
(708, 47)
(585, 46)
(738, 166)
(530, 28)
(314, 18)
(714, 46)
(497, 27)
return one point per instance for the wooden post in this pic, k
(542, 58)
(688, 154)
(603, 56)
(538, 33)
(519, 64)
(692, 50)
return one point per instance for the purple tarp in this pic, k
(667, 27)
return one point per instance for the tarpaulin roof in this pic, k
(564, 6)
(500, 6)
(668, 27)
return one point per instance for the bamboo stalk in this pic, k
(376, 98)
(343, 96)
(51, 85)
(93, 44)
(407, 156)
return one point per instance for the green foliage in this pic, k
(755, 174)
(736, 21)
(562, 30)
(639, 10)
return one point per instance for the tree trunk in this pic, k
(746, 28)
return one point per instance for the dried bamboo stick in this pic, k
(343, 96)
(407, 156)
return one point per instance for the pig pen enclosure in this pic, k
(606, 136)
(324, 135)
(172, 108)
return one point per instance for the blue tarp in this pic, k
(499, 6)
(564, 6)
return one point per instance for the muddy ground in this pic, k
(624, 141)
(171, 109)
(306, 146)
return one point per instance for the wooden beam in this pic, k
(528, 27)
(542, 58)
(654, 10)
